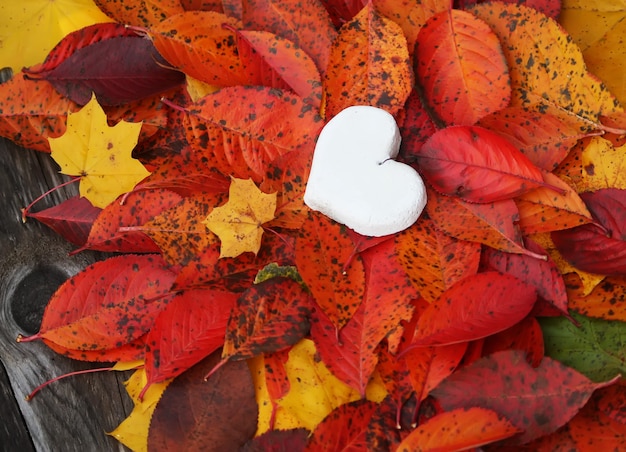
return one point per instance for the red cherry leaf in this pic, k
(538, 400)
(541, 274)
(325, 261)
(597, 248)
(136, 209)
(344, 428)
(473, 308)
(476, 165)
(269, 317)
(194, 414)
(118, 70)
(451, 48)
(416, 128)
(525, 335)
(109, 304)
(128, 352)
(72, 219)
(190, 328)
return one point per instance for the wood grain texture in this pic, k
(75, 413)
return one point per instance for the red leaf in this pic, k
(343, 429)
(136, 209)
(537, 400)
(541, 274)
(110, 303)
(312, 31)
(268, 317)
(141, 13)
(416, 128)
(473, 308)
(72, 219)
(128, 352)
(477, 165)
(526, 336)
(118, 70)
(451, 49)
(278, 441)
(215, 415)
(324, 260)
(594, 248)
(387, 302)
(80, 39)
(190, 328)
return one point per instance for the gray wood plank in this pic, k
(75, 413)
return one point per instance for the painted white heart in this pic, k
(354, 179)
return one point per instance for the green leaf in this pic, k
(597, 348)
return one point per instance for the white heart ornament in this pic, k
(354, 179)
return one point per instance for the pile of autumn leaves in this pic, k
(347, 337)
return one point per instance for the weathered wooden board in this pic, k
(75, 413)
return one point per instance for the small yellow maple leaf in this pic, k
(133, 431)
(30, 29)
(99, 154)
(238, 222)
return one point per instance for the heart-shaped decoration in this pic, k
(354, 179)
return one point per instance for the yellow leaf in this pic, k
(313, 394)
(603, 166)
(99, 154)
(30, 29)
(133, 431)
(238, 222)
(197, 89)
(598, 27)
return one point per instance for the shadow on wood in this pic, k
(73, 414)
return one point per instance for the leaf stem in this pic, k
(30, 396)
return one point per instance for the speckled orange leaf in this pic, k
(271, 60)
(304, 22)
(475, 307)
(242, 129)
(31, 111)
(606, 301)
(109, 304)
(270, 316)
(325, 262)
(140, 13)
(542, 137)
(493, 224)
(459, 429)
(460, 65)
(433, 260)
(179, 231)
(196, 43)
(546, 67)
(410, 15)
(238, 223)
(545, 210)
(136, 209)
(369, 65)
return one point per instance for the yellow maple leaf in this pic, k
(238, 222)
(30, 29)
(314, 391)
(133, 431)
(99, 154)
